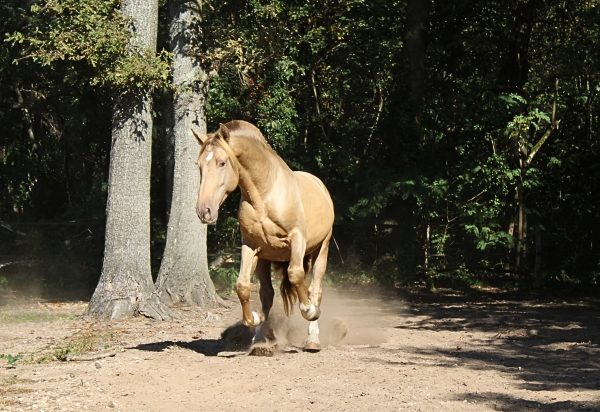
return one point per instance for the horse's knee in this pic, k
(243, 290)
(296, 276)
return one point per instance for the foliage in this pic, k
(501, 157)
(94, 32)
(225, 278)
(11, 359)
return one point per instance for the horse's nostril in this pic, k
(206, 213)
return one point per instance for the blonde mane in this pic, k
(240, 128)
(237, 129)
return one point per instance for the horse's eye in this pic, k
(221, 164)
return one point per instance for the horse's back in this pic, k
(318, 208)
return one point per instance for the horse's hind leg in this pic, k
(315, 293)
(263, 273)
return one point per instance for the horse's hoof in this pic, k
(262, 350)
(312, 347)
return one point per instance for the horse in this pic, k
(285, 217)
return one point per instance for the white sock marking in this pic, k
(313, 331)
(255, 318)
(311, 311)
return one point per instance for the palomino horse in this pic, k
(285, 218)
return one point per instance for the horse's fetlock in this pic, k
(310, 312)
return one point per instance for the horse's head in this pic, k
(219, 171)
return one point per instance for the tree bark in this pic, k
(125, 284)
(516, 68)
(511, 231)
(417, 27)
(183, 275)
(520, 219)
(537, 276)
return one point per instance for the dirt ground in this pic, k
(447, 351)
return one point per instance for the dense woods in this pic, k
(458, 139)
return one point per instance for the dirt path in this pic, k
(445, 352)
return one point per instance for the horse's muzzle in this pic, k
(207, 215)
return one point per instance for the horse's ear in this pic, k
(224, 132)
(201, 137)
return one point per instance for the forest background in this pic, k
(458, 139)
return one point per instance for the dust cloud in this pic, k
(347, 318)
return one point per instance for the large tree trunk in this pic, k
(183, 275)
(417, 26)
(126, 282)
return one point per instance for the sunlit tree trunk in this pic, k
(183, 275)
(125, 284)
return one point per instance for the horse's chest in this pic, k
(264, 232)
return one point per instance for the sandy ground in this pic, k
(445, 351)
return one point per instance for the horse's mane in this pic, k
(241, 128)
(236, 129)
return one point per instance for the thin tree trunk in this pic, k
(524, 236)
(26, 116)
(183, 275)
(516, 69)
(520, 219)
(126, 282)
(417, 26)
(511, 230)
(538, 254)
(427, 244)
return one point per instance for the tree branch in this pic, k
(553, 125)
(379, 110)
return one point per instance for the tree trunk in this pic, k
(516, 68)
(520, 229)
(126, 281)
(511, 230)
(538, 255)
(183, 275)
(417, 26)
(169, 151)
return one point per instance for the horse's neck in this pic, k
(258, 172)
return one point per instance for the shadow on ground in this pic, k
(236, 337)
(547, 344)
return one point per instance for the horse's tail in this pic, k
(288, 291)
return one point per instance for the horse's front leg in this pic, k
(242, 287)
(296, 274)
(263, 273)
